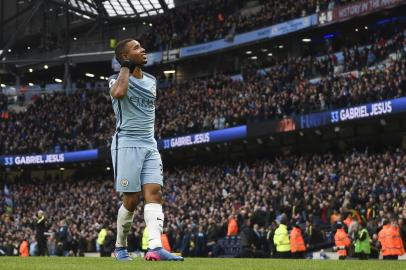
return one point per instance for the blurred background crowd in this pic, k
(204, 204)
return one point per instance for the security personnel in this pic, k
(342, 242)
(387, 237)
(281, 239)
(397, 239)
(24, 248)
(165, 242)
(363, 243)
(297, 244)
(144, 246)
(100, 240)
(232, 227)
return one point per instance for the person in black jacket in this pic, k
(109, 243)
(62, 235)
(213, 234)
(40, 227)
(251, 246)
(247, 236)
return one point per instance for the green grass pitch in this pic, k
(80, 263)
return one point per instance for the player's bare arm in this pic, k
(120, 86)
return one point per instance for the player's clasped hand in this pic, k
(131, 65)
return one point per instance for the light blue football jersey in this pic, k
(135, 113)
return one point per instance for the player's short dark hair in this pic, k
(121, 47)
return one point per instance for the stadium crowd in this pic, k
(218, 19)
(284, 89)
(59, 122)
(205, 203)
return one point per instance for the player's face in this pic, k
(136, 53)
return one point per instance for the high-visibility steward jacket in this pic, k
(297, 243)
(389, 243)
(342, 242)
(363, 245)
(101, 236)
(24, 249)
(165, 242)
(145, 236)
(232, 228)
(397, 240)
(281, 238)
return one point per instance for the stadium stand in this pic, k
(313, 189)
(218, 19)
(58, 122)
(282, 90)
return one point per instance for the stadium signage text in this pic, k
(221, 135)
(38, 159)
(363, 7)
(359, 8)
(188, 140)
(49, 158)
(361, 111)
(35, 159)
(353, 113)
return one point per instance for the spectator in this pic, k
(201, 241)
(33, 246)
(213, 234)
(247, 239)
(62, 239)
(109, 243)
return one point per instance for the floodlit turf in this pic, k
(58, 263)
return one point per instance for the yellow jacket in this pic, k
(145, 236)
(281, 239)
(102, 236)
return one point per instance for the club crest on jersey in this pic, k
(124, 182)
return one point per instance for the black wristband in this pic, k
(125, 63)
(128, 64)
